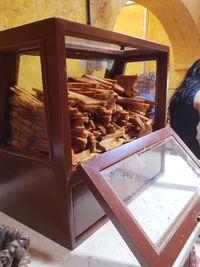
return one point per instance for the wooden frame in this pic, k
(42, 192)
(121, 217)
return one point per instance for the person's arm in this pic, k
(196, 105)
(196, 102)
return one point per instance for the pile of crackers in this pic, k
(28, 130)
(104, 113)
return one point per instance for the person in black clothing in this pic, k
(184, 108)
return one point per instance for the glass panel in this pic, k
(27, 124)
(146, 82)
(86, 43)
(98, 68)
(71, 41)
(30, 75)
(146, 71)
(171, 181)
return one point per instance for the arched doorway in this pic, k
(177, 19)
(178, 22)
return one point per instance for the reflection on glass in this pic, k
(27, 122)
(132, 174)
(171, 180)
(70, 41)
(77, 67)
(146, 82)
(146, 85)
(30, 74)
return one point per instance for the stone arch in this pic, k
(178, 20)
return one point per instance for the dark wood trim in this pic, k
(72, 51)
(93, 33)
(140, 55)
(161, 92)
(120, 215)
(8, 77)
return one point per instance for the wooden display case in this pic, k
(45, 191)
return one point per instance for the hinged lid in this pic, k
(149, 188)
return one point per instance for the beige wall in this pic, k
(131, 21)
(104, 12)
(174, 23)
(18, 12)
(193, 7)
(178, 20)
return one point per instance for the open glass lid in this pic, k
(149, 188)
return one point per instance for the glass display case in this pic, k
(150, 189)
(64, 89)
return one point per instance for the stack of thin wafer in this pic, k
(115, 115)
(103, 115)
(27, 122)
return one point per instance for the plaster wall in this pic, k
(175, 23)
(18, 12)
(178, 21)
(193, 7)
(131, 21)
